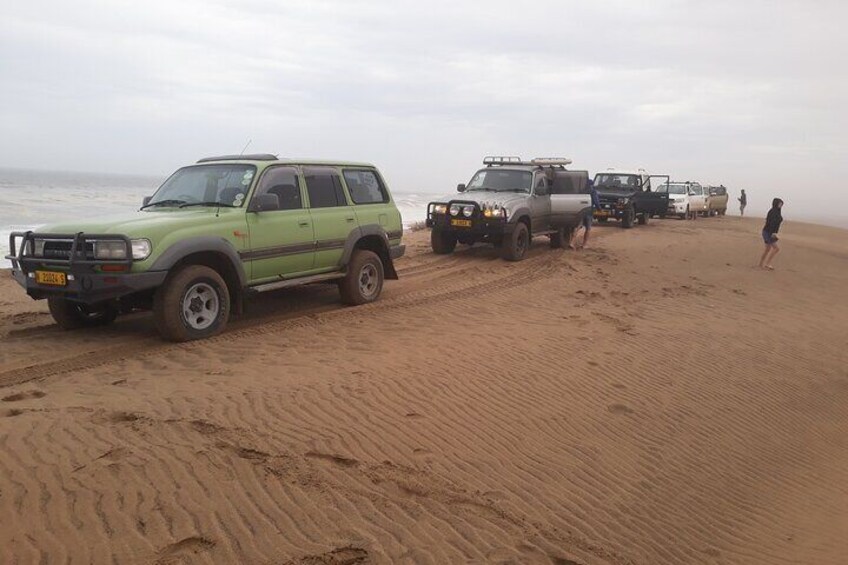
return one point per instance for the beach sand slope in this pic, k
(654, 399)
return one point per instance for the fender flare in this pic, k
(185, 247)
(364, 231)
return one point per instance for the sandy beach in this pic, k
(653, 399)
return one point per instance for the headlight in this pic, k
(105, 249)
(140, 249)
(468, 211)
(440, 208)
(454, 210)
(36, 247)
(493, 212)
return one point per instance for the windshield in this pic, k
(672, 188)
(612, 180)
(206, 184)
(500, 180)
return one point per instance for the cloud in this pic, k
(725, 91)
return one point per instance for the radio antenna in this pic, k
(249, 141)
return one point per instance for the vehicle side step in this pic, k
(296, 282)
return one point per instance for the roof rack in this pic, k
(499, 161)
(255, 157)
(490, 160)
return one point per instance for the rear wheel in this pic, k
(603, 220)
(364, 280)
(442, 242)
(194, 303)
(516, 244)
(643, 218)
(71, 315)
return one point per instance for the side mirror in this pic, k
(146, 200)
(542, 191)
(460, 187)
(265, 203)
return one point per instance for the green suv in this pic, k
(214, 233)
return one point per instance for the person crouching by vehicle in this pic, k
(581, 234)
(743, 201)
(773, 221)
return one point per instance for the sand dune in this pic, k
(654, 399)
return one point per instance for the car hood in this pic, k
(141, 223)
(506, 200)
(615, 192)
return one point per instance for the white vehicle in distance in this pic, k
(699, 199)
(678, 199)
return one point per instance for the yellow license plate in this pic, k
(51, 278)
(602, 212)
(461, 223)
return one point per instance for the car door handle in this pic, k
(584, 202)
(303, 224)
(350, 219)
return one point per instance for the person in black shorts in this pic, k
(773, 221)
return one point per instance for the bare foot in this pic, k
(768, 268)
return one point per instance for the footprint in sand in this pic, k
(24, 396)
(14, 412)
(175, 552)
(619, 409)
(330, 458)
(340, 556)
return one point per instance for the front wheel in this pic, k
(516, 244)
(442, 242)
(70, 315)
(194, 303)
(364, 279)
(643, 219)
(627, 218)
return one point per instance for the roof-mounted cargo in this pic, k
(551, 161)
(255, 157)
(500, 161)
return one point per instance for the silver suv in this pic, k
(510, 201)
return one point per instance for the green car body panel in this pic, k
(259, 246)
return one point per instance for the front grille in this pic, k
(61, 249)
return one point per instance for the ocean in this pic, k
(29, 199)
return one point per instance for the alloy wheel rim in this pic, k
(368, 281)
(200, 306)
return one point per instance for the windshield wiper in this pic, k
(483, 188)
(225, 205)
(163, 203)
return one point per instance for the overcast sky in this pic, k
(751, 94)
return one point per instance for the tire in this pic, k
(363, 282)
(662, 216)
(722, 212)
(603, 220)
(559, 238)
(515, 246)
(643, 218)
(442, 243)
(193, 303)
(70, 315)
(627, 219)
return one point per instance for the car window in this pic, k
(324, 188)
(282, 182)
(569, 183)
(365, 187)
(226, 184)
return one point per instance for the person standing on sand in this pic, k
(773, 220)
(743, 201)
(588, 217)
